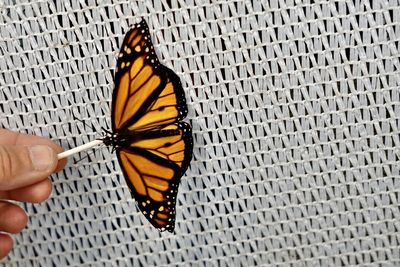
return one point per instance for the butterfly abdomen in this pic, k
(148, 134)
(128, 137)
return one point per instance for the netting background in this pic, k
(295, 113)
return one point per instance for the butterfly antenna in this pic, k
(87, 154)
(106, 131)
(84, 123)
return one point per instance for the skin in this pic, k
(19, 181)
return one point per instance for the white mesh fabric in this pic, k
(295, 113)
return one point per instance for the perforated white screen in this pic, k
(295, 113)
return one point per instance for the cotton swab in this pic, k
(83, 147)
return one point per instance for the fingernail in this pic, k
(42, 157)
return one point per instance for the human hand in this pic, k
(26, 161)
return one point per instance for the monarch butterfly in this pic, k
(152, 143)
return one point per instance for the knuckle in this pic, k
(6, 164)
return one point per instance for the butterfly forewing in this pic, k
(138, 79)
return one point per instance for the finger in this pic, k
(8, 137)
(35, 193)
(6, 244)
(12, 218)
(21, 166)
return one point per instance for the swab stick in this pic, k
(83, 147)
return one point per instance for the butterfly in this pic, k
(152, 142)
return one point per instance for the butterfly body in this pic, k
(125, 138)
(152, 142)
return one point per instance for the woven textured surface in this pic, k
(295, 111)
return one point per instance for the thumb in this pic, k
(24, 165)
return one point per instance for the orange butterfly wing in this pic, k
(153, 168)
(148, 106)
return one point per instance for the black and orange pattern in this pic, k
(153, 144)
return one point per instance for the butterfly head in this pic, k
(118, 140)
(114, 140)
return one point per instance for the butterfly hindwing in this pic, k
(153, 167)
(168, 107)
(172, 142)
(153, 185)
